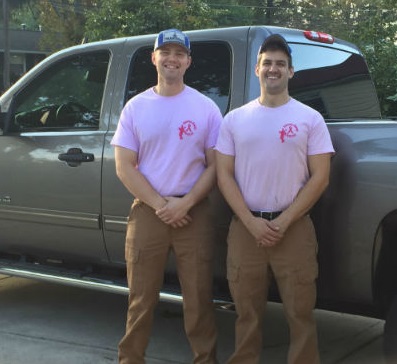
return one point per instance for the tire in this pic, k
(390, 334)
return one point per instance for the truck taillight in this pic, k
(319, 36)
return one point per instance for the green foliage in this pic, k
(377, 38)
(25, 14)
(63, 22)
(115, 19)
(370, 24)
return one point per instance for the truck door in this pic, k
(51, 157)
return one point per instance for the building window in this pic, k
(17, 66)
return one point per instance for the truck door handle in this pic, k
(75, 157)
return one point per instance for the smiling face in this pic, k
(171, 61)
(274, 72)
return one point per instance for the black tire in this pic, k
(390, 334)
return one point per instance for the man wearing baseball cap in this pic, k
(273, 161)
(164, 156)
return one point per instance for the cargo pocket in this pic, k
(305, 289)
(131, 254)
(232, 275)
(134, 272)
(307, 274)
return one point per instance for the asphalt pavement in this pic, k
(45, 323)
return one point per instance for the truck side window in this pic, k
(209, 73)
(67, 95)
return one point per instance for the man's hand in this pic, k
(174, 212)
(266, 233)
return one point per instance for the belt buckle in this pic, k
(265, 215)
(268, 215)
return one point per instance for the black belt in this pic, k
(267, 215)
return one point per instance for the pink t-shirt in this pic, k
(271, 146)
(170, 135)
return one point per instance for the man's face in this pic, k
(273, 71)
(171, 61)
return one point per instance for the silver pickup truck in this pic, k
(63, 210)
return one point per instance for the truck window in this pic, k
(67, 95)
(209, 72)
(335, 82)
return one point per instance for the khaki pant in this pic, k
(148, 243)
(293, 263)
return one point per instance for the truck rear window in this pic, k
(332, 81)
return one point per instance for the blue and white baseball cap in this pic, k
(173, 36)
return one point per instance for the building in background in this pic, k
(25, 52)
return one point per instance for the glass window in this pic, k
(17, 67)
(209, 72)
(334, 82)
(67, 95)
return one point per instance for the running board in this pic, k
(98, 284)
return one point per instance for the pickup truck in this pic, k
(63, 210)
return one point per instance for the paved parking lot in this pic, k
(43, 323)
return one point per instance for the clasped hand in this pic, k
(267, 233)
(174, 212)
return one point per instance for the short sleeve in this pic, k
(225, 142)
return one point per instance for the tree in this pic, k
(27, 13)
(114, 18)
(369, 24)
(62, 22)
(232, 12)
(376, 34)
(372, 26)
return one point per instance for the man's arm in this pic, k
(262, 230)
(127, 171)
(319, 169)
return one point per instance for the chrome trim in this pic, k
(362, 122)
(50, 217)
(63, 133)
(85, 283)
(98, 284)
(115, 223)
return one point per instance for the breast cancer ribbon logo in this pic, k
(288, 131)
(187, 129)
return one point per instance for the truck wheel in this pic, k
(390, 333)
